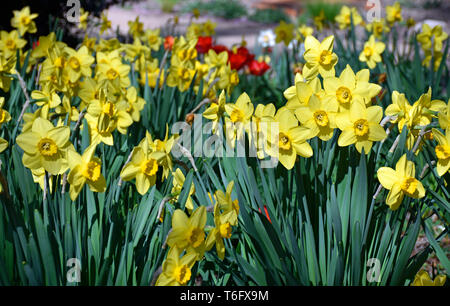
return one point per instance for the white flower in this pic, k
(266, 38)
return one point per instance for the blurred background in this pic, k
(234, 18)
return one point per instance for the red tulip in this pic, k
(204, 43)
(168, 42)
(237, 61)
(219, 48)
(258, 68)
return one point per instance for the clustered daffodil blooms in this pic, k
(415, 116)
(349, 88)
(96, 90)
(432, 43)
(345, 16)
(400, 182)
(188, 237)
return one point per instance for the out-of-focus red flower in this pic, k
(204, 43)
(219, 48)
(258, 68)
(237, 61)
(168, 42)
(244, 51)
(240, 58)
(35, 44)
(267, 213)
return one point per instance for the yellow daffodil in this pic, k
(216, 110)
(47, 99)
(178, 182)
(110, 67)
(399, 109)
(262, 113)
(136, 28)
(101, 128)
(85, 169)
(6, 67)
(240, 114)
(442, 151)
(143, 166)
(105, 23)
(422, 278)
(350, 88)
(78, 63)
(180, 74)
(345, 16)
(290, 140)
(11, 42)
(150, 74)
(3, 144)
(45, 42)
(372, 51)
(153, 38)
(318, 20)
(228, 78)
(378, 27)
(400, 182)
(394, 13)
(4, 115)
(444, 117)
(23, 21)
(39, 177)
(53, 68)
(221, 231)
(45, 146)
(360, 126)
(194, 30)
(410, 116)
(303, 31)
(319, 58)
(135, 104)
(116, 111)
(216, 60)
(431, 38)
(176, 271)
(209, 28)
(162, 149)
(188, 231)
(284, 32)
(83, 21)
(319, 117)
(301, 92)
(227, 204)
